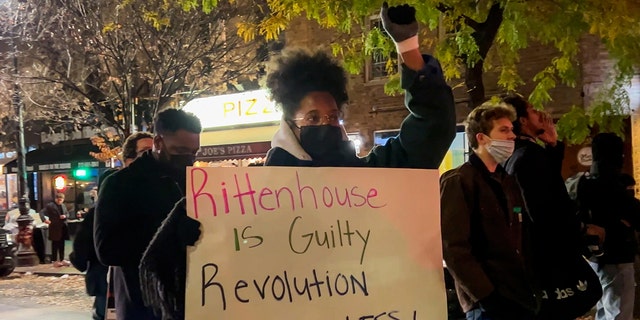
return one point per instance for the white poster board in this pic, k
(315, 243)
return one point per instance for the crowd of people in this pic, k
(514, 241)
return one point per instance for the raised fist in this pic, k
(399, 22)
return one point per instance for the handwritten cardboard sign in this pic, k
(315, 243)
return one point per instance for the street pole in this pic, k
(26, 255)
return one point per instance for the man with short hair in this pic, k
(485, 225)
(558, 231)
(134, 201)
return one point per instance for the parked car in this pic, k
(8, 253)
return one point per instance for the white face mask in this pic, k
(500, 150)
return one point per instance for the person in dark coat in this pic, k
(134, 201)
(605, 200)
(558, 235)
(84, 258)
(311, 89)
(486, 229)
(55, 214)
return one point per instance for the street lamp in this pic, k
(26, 255)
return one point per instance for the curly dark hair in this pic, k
(297, 72)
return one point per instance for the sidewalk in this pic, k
(49, 270)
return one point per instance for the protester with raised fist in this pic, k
(311, 90)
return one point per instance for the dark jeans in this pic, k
(57, 250)
(99, 307)
(38, 244)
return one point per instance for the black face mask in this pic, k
(177, 162)
(324, 144)
(182, 161)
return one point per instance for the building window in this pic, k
(376, 67)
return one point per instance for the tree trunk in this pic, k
(475, 85)
(484, 35)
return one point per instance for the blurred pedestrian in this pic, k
(604, 197)
(84, 258)
(55, 214)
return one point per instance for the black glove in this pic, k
(401, 25)
(188, 230)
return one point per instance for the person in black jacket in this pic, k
(311, 89)
(558, 236)
(135, 200)
(84, 258)
(605, 200)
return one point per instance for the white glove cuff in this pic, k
(408, 44)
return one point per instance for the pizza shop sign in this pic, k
(245, 108)
(234, 149)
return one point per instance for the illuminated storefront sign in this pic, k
(233, 151)
(246, 108)
(60, 183)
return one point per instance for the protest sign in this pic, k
(315, 243)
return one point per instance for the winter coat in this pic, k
(132, 204)
(424, 138)
(84, 258)
(485, 236)
(558, 240)
(58, 228)
(557, 225)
